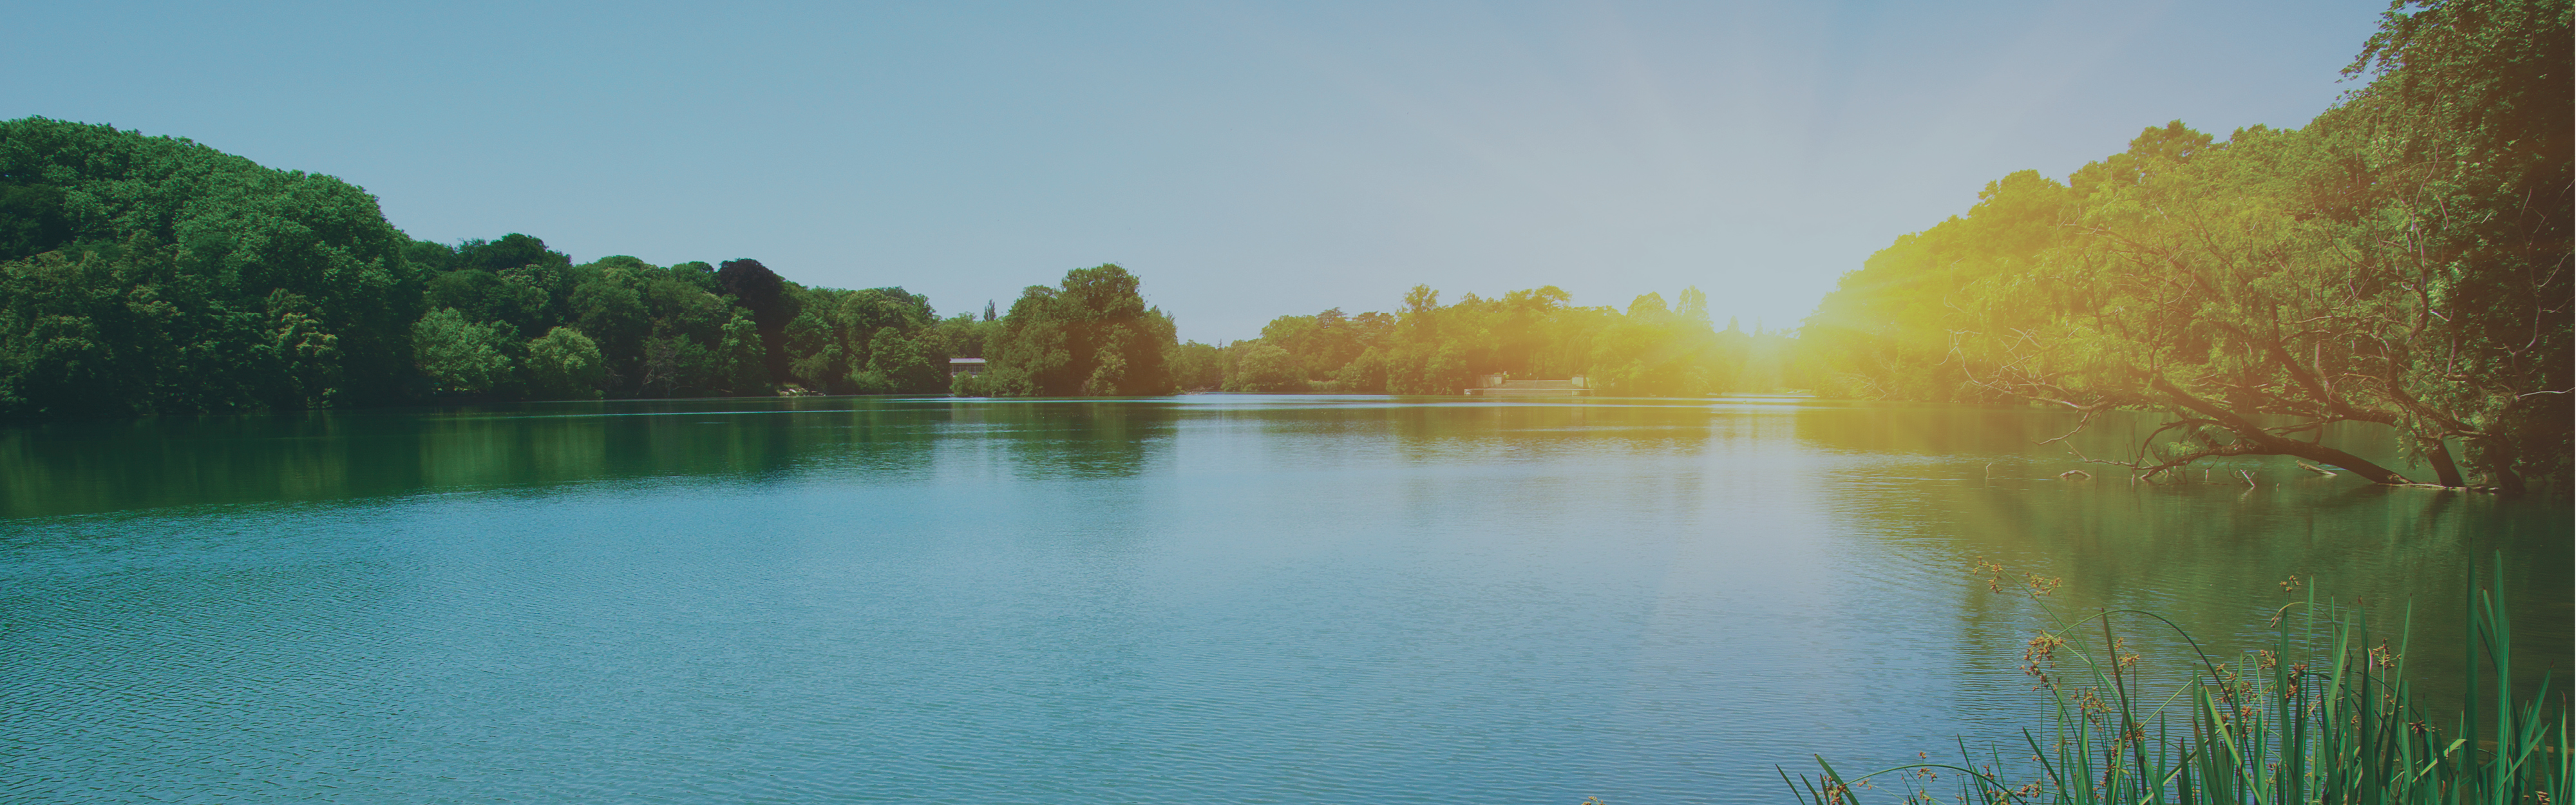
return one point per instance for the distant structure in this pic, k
(965, 366)
(1499, 385)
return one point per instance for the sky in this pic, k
(1245, 160)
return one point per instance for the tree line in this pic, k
(153, 275)
(2401, 260)
(1653, 348)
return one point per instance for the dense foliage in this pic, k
(1653, 349)
(1090, 335)
(2403, 260)
(155, 275)
(148, 274)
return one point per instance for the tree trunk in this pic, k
(2265, 443)
(2439, 454)
(2496, 456)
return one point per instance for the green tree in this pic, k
(149, 274)
(740, 366)
(2465, 130)
(1197, 367)
(563, 364)
(1091, 335)
(898, 364)
(772, 307)
(1365, 374)
(191, 247)
(2404, 260)
(460, 356)
(1262, 367)
(1653, 349)
(966, 335)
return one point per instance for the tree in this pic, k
(563, 364)
(1430, 348)
(180, 254)
(1263, 367)
(762, 292)
(966, 335)
(70, 346)
(154, 275)
(1365, 374)
(1197, 367)
(2404, 260)
(1092, 335)
(2466, 127)
(460, 356)
(609, 308)
(741, 364)
(899, 365)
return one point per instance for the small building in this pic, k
(1504, 385)
(965, 366)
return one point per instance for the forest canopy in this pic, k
(1653, 348)
(2402, 260)
(153, 275)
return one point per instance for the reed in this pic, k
(2324, 716)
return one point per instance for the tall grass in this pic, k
(2324, 716)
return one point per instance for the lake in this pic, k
(1208, 598)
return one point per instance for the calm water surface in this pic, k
(1199, 599)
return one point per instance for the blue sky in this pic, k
(1247, 160)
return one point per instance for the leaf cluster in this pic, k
(2402, 261)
